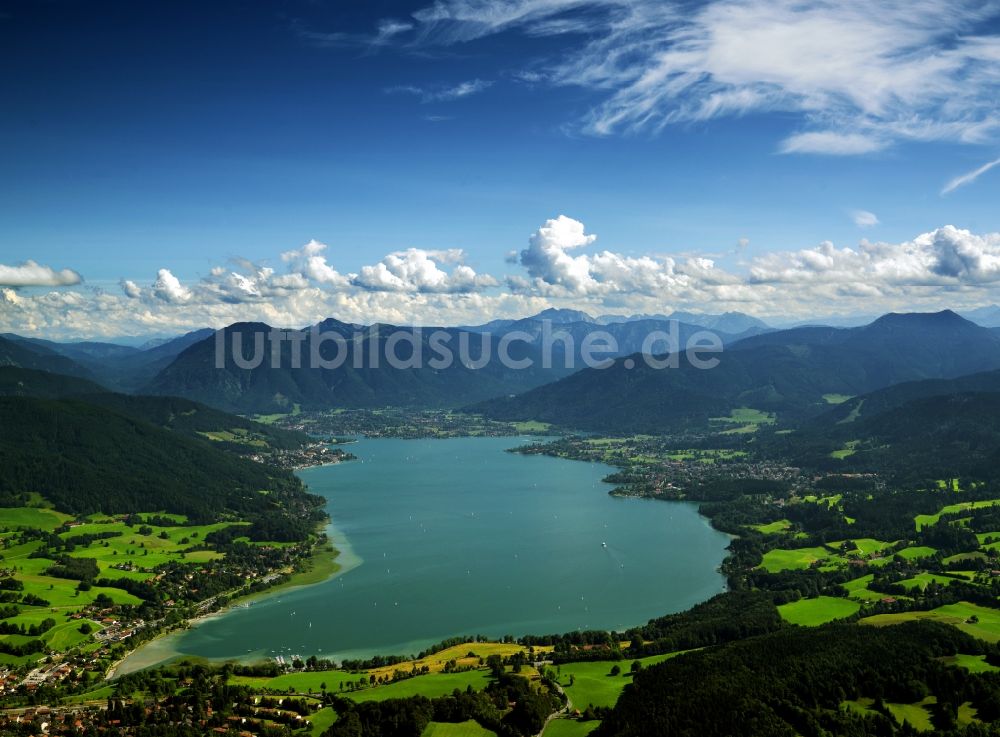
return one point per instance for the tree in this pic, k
(495, 664)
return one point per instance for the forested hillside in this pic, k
(88, 458)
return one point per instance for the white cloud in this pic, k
(443, 94)
(860, 75)
(968, 177)
(130, 289)
(946, 267)
(310, 262)
(545, 257)
(417, 270)
(168, 288)
(946, 257)
(556, 273)
(30, 274)
(831, 143)
(864, 219)
(389, 29)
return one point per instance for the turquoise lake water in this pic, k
(453, 537)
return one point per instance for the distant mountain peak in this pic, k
(941, 318)
(562, 315)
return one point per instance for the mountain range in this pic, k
(793, 372)
(358, 383)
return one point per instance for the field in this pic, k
(972, 663)
(459, 653)
(836, 398)
(986, 628)
(593, 684)
(127, 554)
(569, 728)
(782, 559)
(922, 520)
(849, 449)
(773, 528)
(814, 612)
(34, 517)
(531, 426)
(829, 556)
(916, 714)
(921, 581)
(858, 589)
(744, 420)
(916, 552)
(462, 729)
(430, 685)
(322, 720)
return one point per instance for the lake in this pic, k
(458, 537)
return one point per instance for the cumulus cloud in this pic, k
(417, 270)
(859, 76)
(130, 289)
(560, 266)
(555, 272)
(310, 262)
(864, 219)
(30, 274)
(168, 288)
(945, 257)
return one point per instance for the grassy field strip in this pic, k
(817, 611)
(986, 628)
(593, 683)
(922, 520)
(569, 728)
(462, 729)
(972, 663)
(460, 654)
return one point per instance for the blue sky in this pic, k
(185, 137)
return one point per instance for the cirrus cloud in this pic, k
(860, 76)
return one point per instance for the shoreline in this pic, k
(326, 562)
(341, 560)
(160, 640)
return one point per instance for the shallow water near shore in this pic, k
(440, 538)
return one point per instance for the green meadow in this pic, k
(15, 518)
(922, 580)
(461, 729)
(593, 683)
(569, 728)
(797, 559)
(744, 420)
(836, 398)
(773, 528)
(849, 448)
(126, 555)
(923, 520)
(817, 611)
(975, 620)
(858, 589)
(972, 663)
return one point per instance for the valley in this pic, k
(466, 570)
